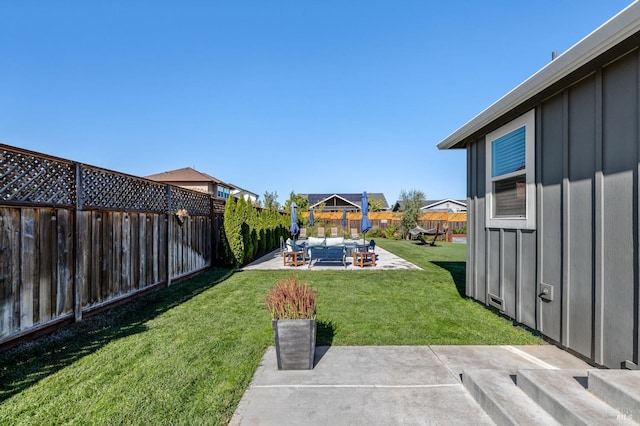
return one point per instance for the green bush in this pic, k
(261, 241)
(248, 233)
(462, 230)
(375, 233)
(390, 232)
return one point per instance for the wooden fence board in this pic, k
(142, 254)
(116, 265)
(27, 267)
(156, 248)
(5, 273)
(96, 261)
(106, 247)
(15, 269)
(135, 257)
(162, 248)
(125, 270)
(84, 256)
(65, 261)
(45, 260)
(149, 250)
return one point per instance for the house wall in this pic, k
(585, 244)
(196, 186)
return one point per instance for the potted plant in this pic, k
(292, 305)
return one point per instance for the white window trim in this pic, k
(529, 221)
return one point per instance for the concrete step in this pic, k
(496, 392)
(564, 395)
(618, 388)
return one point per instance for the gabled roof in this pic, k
(429, 204)
(611, 33)
(397, 206)
(354, 199)
(324, 200)
(186, 174)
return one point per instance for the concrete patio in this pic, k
(385, 261)
(418, 385)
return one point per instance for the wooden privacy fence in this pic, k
(75, 238)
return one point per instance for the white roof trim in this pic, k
(615, 30)
(449, 200)
(331, 196)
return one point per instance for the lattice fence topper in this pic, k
(195, 203)
(25, 177)
(104, 189)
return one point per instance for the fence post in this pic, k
(79, 247)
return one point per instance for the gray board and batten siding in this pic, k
(584, 246)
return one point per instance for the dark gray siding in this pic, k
(549, 141)
(580, 212)
(619, 169)
(585, 243)
(476, 238)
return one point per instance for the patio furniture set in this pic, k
(330, 249)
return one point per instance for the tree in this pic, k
(271, 200)
(301, 201)
(375, 205)
(410, 202)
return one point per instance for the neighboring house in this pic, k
(554, 201)
(248, 195)
(338, 202)
(447, 205)
(192, 179)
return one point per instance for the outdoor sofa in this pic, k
(326, 250)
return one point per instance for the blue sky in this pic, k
(305, 96)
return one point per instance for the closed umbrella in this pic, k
(344, 219)
(310, 217)
(294, 222)
(365, 225)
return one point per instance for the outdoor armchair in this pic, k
(334, 232)
(354, 234)
(321, 232)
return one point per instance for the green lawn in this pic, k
(185, 354)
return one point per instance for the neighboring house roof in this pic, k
(433, 204)
(186, 174)
(353, 199)
(611, 33)
(430, 204)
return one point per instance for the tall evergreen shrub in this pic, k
(233, 232)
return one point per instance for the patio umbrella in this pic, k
(344, 218)
(294, 222)
(365, 225)
(310, 217)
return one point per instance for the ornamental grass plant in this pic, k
(289, 298)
